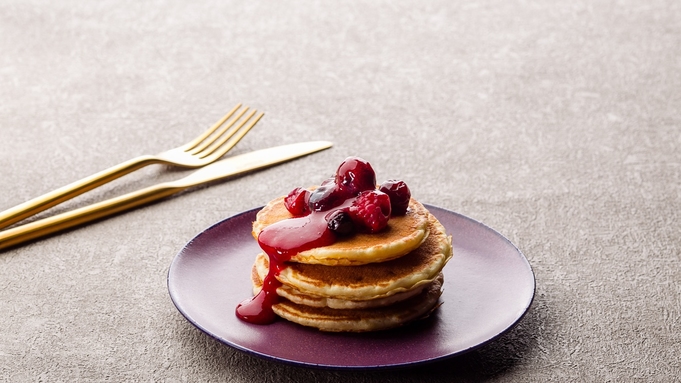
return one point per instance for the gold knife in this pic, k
(229, 167)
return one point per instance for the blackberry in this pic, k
(339, 222)
(327, 196)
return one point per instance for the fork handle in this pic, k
(56, 223)
(71, 190)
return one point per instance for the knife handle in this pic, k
(64, 193)
(50, 225)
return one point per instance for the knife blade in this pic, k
(219, 170)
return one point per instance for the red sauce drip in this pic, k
(281, 241)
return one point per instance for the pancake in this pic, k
(361, 320)
(402, 235)
(296, 296)
(334, 285)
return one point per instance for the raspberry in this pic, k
(297, 202)
(370, 211)
(355, 175)
(399, 194)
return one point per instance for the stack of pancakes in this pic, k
(363, 282)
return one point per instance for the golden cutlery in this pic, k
(219, 170)
(203, 150)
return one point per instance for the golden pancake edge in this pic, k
(402, 235)
(356, 286)
(362, 320)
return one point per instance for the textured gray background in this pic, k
(556, 123)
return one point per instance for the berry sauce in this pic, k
(313, 213)
(281, 241)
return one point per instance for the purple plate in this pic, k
(489, 286)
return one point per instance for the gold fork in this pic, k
(204, 149)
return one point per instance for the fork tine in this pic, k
(191, 145)
(226, 136)
(219, 150)
(210, 140)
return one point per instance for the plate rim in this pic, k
(400, 365)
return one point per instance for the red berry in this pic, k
(399, 194)
(370, 211)
(355, 175)
(327, 196)
(297, 202)
(330, 180)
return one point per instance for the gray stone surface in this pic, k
(556, 123)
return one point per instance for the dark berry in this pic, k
(339, 222)
(327, 196)
(355, 175)
(370, 211)
(399, 194)
(297, 202)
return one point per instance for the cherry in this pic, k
(399, 194)
(355, 175)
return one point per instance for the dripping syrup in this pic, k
(281, 241)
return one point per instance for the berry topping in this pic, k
(330, 180)
(327, 196)
(339, 222)
(297, 202)
(399, 194)
(355, 175)
(370, 211)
